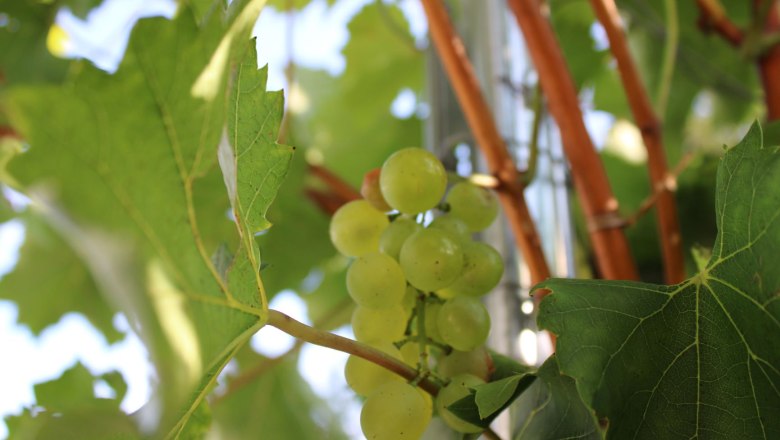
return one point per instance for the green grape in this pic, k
(428, 401)
(364, 376)
(476, 206)
(379, 324)
(463, 323)
(356, 227)
(452, 224)
(376, 281)
(412, 180)
(482, 270)
(395, 411)
(458, 388)
(431, 259)
(395, 235)
(410, 352)
(476, 362)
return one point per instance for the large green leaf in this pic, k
(694, 359)
(115, 161)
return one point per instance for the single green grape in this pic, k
(395, 411)
(376, 281)
(428, 401)
(386, 324)
(394, 236)
(482, 270)
(476, 206)
(431, 259)
(410, 352)
(452, 224)
(356, 227)
(458, 388)
(463, 323)
(412, 180)
(364, 376)
(476, 362)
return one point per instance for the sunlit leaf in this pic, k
(119, 187)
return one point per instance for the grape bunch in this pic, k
(417, 288)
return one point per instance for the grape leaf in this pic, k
(286, 5)
(93, 424)
(704, 63)
(298, 225)
(328, 303)
(115, 160)
(73, 390)
(252, 147)
(494, 396)
(772, 133)
(572, 21)
(80, 7)
(199, 424)
(66, 407)
(487, 401)
(44, 293)
(6, 211)
(289, 409)
(380, 74)
(505, 366)
(551, 408)
(697, 358)
(23, 53)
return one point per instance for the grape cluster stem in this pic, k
(326, 339)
